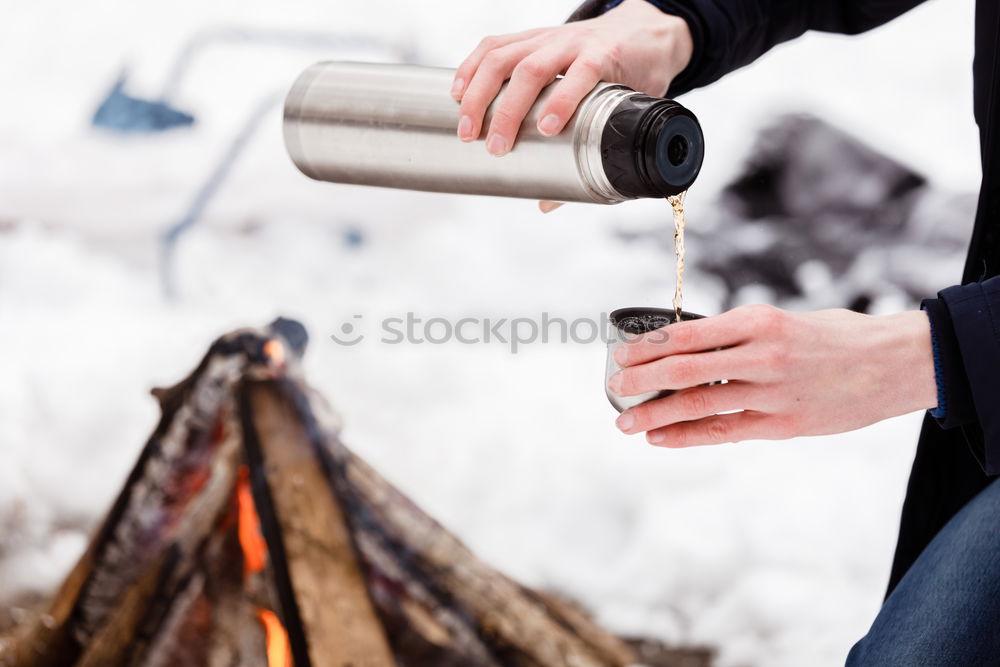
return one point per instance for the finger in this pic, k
(465, 71)
(729, 328)
(687, 405)
(715, 430)
(496, 67)
(533, 73)
(583, 74)
(681, 371)
(546, 206)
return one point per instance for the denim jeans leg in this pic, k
(946, 610)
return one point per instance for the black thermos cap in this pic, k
(651, 147)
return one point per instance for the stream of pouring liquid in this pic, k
(677, 204)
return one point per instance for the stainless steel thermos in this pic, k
(395, 126)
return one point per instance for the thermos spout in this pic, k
(394, 126)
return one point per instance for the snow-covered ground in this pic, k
(777, 553)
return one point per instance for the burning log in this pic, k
(308, 537)
(248, 534)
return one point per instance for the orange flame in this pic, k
(248, 527)
(274, 352)
(279, 650)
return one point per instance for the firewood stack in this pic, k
(248, 534)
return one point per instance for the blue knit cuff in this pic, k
(941, 410)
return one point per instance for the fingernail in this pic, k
(465, 129)
(549, 125)
(497, 145)
(549, 206)
(456, 88)
(655, 438)
(621, 355)
(615, 383)
(625, 421)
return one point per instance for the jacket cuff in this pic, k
(973, 313)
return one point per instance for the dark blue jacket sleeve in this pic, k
(966, 324)
(729, 34)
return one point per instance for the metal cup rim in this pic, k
(643, 312)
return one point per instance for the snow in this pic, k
(777, 553)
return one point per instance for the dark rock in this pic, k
(811, 192)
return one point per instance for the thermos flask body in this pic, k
(395, 126)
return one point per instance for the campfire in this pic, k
(248, 534)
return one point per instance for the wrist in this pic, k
(913, 367)
(672, 34)
(940, 411)
(681, 44)
(665, 35)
